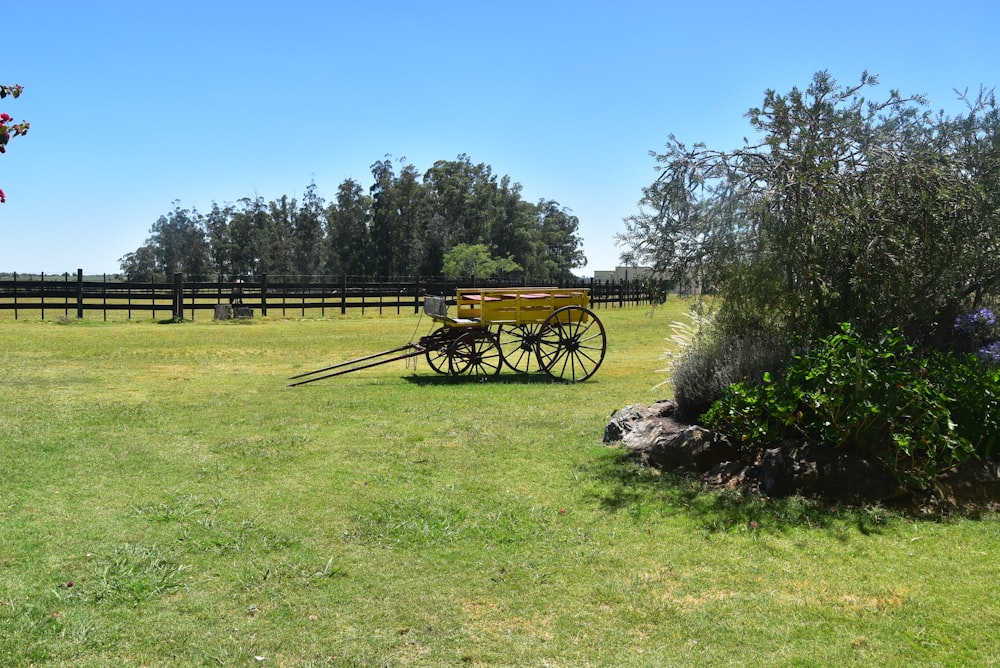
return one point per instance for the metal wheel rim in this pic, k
(572, 344)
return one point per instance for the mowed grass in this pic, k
(166, 500)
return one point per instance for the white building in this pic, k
(621, 274)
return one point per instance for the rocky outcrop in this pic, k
(663, 441)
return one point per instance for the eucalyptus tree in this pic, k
(180, 243)
(219, 239)
(307, 233)
(399, 218)
(249, 236)
(348, 231)
(558, 234)
(279, 255)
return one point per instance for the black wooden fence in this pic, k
(70, 296)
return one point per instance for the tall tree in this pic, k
(219, 238)
(350, 224)
(249, 234)
(385, 218)
(180, 243)
(558, 234)
(281, 243)
(308, 225)
(874, 212)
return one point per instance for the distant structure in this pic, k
(621, 274)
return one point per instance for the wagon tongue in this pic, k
(366, 362)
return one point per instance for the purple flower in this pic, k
(975, 320)
(990, 353)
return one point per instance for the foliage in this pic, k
(877, 213)
(403, 225)
(465, 260)
(878, 396)
(8, 128)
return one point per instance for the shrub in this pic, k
(919, 414)
(709, 365)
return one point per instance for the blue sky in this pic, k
(136, 105)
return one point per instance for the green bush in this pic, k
(919, 414)
(709, 365)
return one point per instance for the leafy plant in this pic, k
(879, 397)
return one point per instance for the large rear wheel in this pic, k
(571, 344)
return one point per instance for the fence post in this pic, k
(343, 294)
(263, 295)
(178, 307)
(79, 293)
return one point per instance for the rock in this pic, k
(624, 421)
(665, 441)
(694, 449)
(975, 483)
(819, 471)
(629, 418)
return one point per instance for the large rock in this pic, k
(629, 418)
(663, 442)
(820, 471)
(693, 449)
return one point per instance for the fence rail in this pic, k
(69, 295)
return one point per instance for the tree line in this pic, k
(404, 224)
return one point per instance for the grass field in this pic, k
(166, 500)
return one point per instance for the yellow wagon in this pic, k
(525, 329)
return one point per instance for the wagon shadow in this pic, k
(500, 379)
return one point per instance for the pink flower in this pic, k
(3, 198)
(5, 118)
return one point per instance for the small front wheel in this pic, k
(476, 353)
(437, 356)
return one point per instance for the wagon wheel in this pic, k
(476, 352)
(437, 356)
(571, 344)
(519, 345)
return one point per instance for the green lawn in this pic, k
(208, 515)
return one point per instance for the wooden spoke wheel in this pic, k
(437, 356)
(519, 345)
(571, 344)
(476, 353)
(437, 359)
